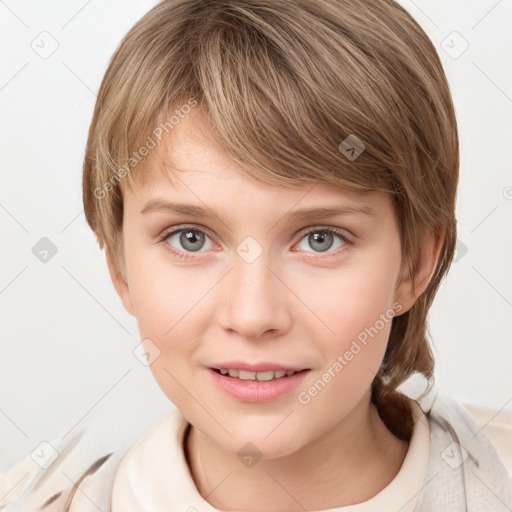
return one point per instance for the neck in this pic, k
(348, 464)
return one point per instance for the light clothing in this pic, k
(451, 465)
(139, 485)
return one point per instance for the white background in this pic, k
(66, 341)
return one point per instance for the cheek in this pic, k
(353, 300)
(169, 305)
(361, 316)
(162, 293)
(356, 307)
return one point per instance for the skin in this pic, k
(293, 305)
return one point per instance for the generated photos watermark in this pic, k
(151, 142)
(342, 360)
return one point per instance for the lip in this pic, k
(255, 391)
(259, 367)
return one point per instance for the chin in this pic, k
(260, 446)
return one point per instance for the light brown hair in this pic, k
(283, 83)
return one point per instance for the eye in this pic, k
(323, 239)
(188, 240)
(184, 241)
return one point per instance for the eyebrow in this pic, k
(300, 214)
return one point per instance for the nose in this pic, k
(255, 302)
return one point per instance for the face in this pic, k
(252, 284)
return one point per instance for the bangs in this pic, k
(280, 108)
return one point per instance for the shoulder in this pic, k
(464, 467)
(498, 426)
(75, 473)
(72, 474)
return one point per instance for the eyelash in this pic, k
(184, 255)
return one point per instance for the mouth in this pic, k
(268, 375)
(250, 386)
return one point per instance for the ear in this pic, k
(411, 287)
(120, 283)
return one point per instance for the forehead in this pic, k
(188, 162)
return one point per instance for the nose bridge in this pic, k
(255, 300)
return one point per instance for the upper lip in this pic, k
(258, 367)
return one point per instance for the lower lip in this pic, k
(257, 390)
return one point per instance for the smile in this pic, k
(246, 375)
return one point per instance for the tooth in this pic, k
(262, 376)
(244, 375)
(265, 375)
